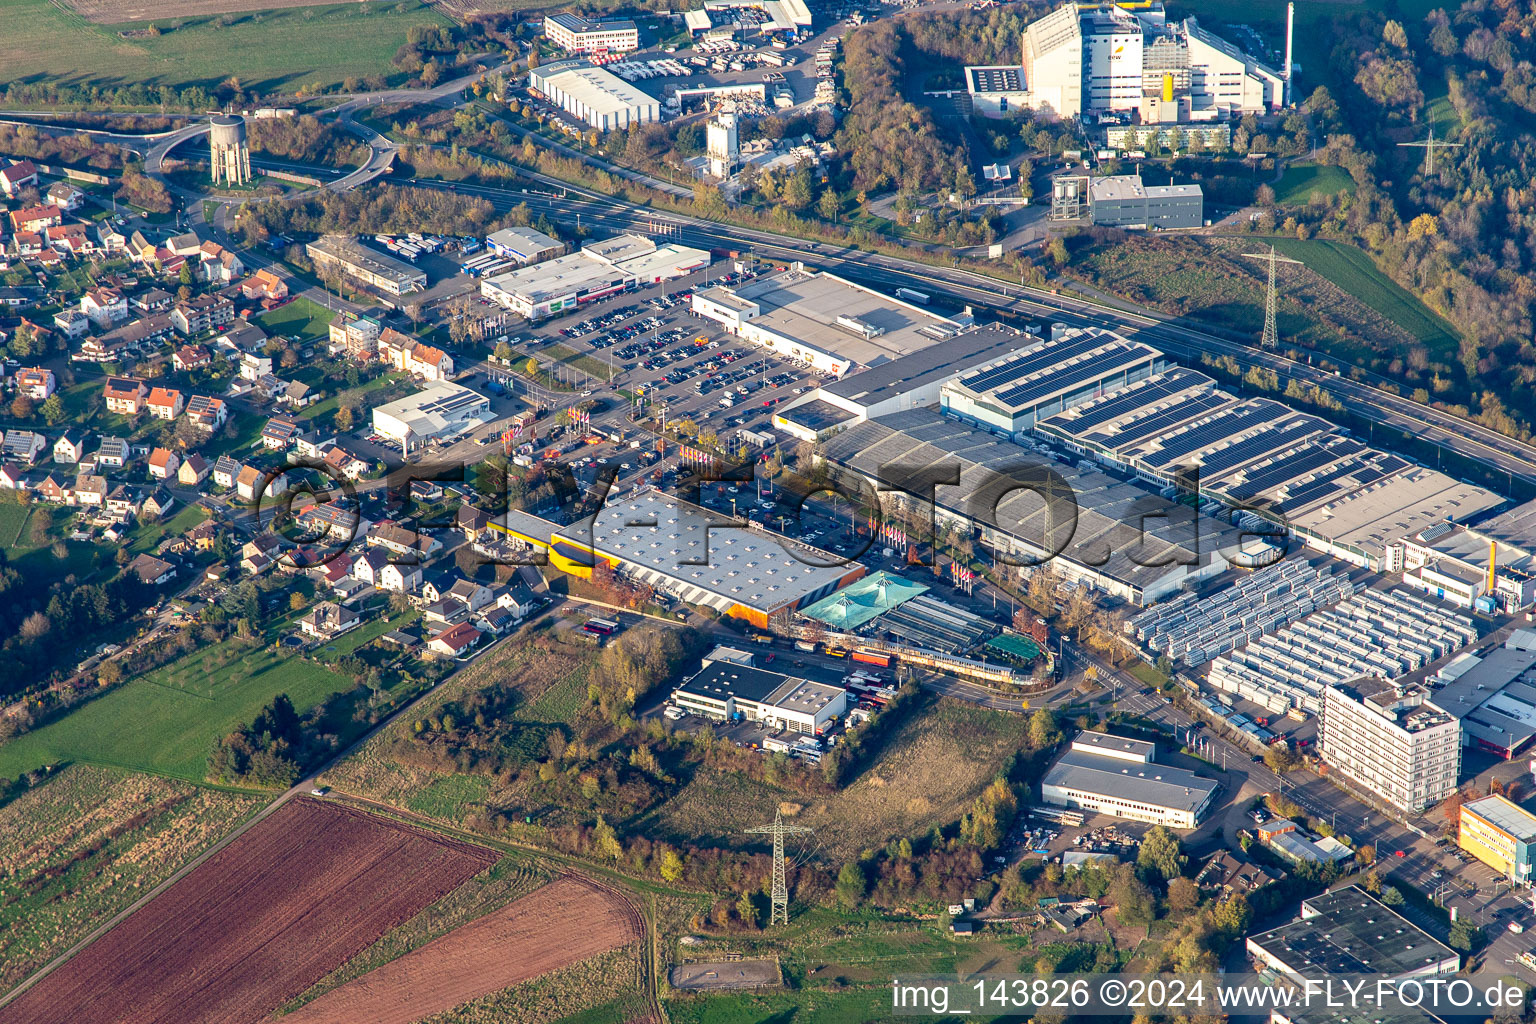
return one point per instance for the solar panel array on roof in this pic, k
(1065, 379)
(1178, 447)
(1292, 464)
(1149, 392)
(1262, 443)
(1001, 374)
(1156, 423)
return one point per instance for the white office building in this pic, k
(1111, 775)
(1392, 740)
(583, 35)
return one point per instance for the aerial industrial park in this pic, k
(779, 509)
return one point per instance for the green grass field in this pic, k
(166, 721)
(267, 50)
(1302, 181)
(1353, 271)
(301, 318)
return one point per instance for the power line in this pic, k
(1271, 337)
(779, 911)
(1429, 145)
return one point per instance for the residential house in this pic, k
(267, 545)
(193, 470)
(89, 490)
(446, 612)
(296, 394)
(121, 342)
(311, 444)
(473, 595)
(329, 619)
(112, 453)
(17, 296)
(16, 177)
(12, 478)
(65, 196)
(495, 619)
(249, 480)
(185, 244)
(455, 641)
(190, 357)
(125, 395)
(156, 300)
(348, 464)
(163, 463)
(203, 313)
(109, 238)
(225, 469)
(278, 434)
(72, 322)
(105, 307)
(264, 284)
(406, 353)
(23, 446)
(75, 239)
(122, 501)
(255, 365)
(151, 569)
(425, 490)
(367, 565)
(517, 598)
(35, 219)
(36, 382)
(242, 336)
(207, 412)
(355, 334)
(331, 521)
(1224, 873)
(255, 565)
(204, 536)
(218, 265)
(471, 521)
(403, 541)
(165, 403)
(51, 488)
(158, 503)
(70, 447)
(399, 578)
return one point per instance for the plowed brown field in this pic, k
(260, 921)
(565, 922)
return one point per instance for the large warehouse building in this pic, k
(697, 556)
(1111, 775)
(597, 270)
(596, 97)
(819, 319)
(1350, 932)
(439, 411)
(1102, 57)
(361, 263)
(1108, 534)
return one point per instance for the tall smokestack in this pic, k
(1290, 28)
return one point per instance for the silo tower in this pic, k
(231, 154)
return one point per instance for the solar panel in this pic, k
(1260, 444)
(1035, 359)
(1156, 423)
(1293, 465)
(1152, 391)
(1067, 378)
(1223, 425)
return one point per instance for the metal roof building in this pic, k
(1160, 794)
(725, 690)
(864, 600)
(1114, 535)
(597, 97)
(701, 557)
(1348, 931)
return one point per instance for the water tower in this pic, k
(231, 155)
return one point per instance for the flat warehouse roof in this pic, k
(1116, 529)
(712, 552)
(1157, 784)
(592, 87)
(722, 679)
(1348, 932)
(349, 249)
(927, 365)
(805, 305)
(524, 242)
(815, 414)
(557, 278)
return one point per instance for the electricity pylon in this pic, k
(1429, 145)
(780, 909)
(1271, 338)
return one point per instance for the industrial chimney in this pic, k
(1290, 28)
